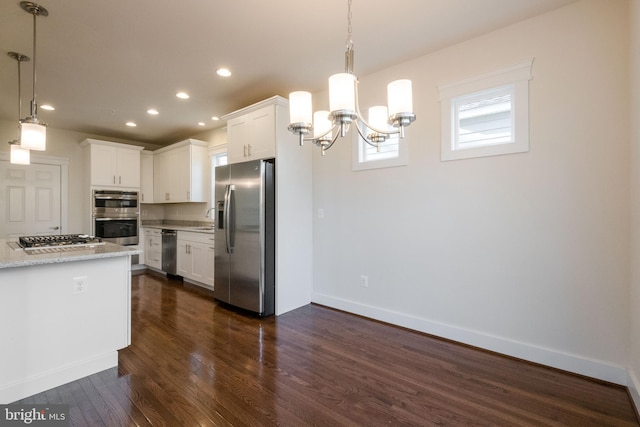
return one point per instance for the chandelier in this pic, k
(33, 132)
(384, 121)
(19, 155)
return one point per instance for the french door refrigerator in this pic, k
(244, 274)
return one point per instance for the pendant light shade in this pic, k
(19, 155)
(33, 136)
(33, 133)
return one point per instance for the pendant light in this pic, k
(33, 132)
(19, 155)
(344, 108)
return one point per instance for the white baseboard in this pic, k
(44, 381)
(634, 389)
(557, 359)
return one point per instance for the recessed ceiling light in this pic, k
(182, 95)
(153, 111)
(200, 123)
(131, 124)
(223, 72)
(47, 107)
(215, 118)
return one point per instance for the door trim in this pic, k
(64, 182)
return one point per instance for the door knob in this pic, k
(54, 228)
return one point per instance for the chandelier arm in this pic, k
(371, 143)
(333, 141)
(361, 117)
(317, 138)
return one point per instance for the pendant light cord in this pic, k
(34, 106)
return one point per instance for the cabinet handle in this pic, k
(188, 195)
(120, 180)
(249, 150)
(245, 150)
(114, 179)
(142, 197)
(166, 196)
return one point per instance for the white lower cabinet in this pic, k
(153, 248)
(196, 257)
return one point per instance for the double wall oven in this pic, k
(115, 216)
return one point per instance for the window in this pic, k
(392, 152)
(218, 158)
(486, 115)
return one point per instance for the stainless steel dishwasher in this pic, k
(169, 251)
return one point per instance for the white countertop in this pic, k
(10, 257)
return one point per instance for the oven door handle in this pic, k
(115, 219)
(116, 197)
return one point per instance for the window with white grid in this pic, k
(486, 115)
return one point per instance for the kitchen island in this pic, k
(65, 313)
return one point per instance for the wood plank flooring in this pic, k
(194, 362)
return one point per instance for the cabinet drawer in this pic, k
(196, 237)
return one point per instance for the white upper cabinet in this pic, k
(112, 164)
(146, 177)
(252, 132)
(181, 173)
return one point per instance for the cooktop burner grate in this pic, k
(36, 242)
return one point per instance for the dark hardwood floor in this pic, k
(194, 362)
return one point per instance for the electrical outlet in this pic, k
(80, 285)
(364, 281)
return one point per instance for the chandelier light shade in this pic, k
(33, 132)
(19, 155)
(342, 95)
(344, 109)
(300, 107)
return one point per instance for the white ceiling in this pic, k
(102, 63)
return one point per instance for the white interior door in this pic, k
(31, 199)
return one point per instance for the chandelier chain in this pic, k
(349, 26)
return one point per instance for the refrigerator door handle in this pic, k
(229, 223)
(231, 231)
(225, 218)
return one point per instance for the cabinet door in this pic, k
(180, 173)
(161, 179)
(209, 264)
(198, 252)
(146, 178)
(184, 259)
(238, 138)
(103, 165)
(128, 167)
(262, 133)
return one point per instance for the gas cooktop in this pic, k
(58, 240)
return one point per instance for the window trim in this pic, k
(517, 75)
(357, 164)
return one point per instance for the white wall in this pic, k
(634, 370)
(525, 254)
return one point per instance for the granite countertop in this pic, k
(10, 257)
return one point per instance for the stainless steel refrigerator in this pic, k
(245, 236)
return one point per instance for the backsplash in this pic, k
(186, 214)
